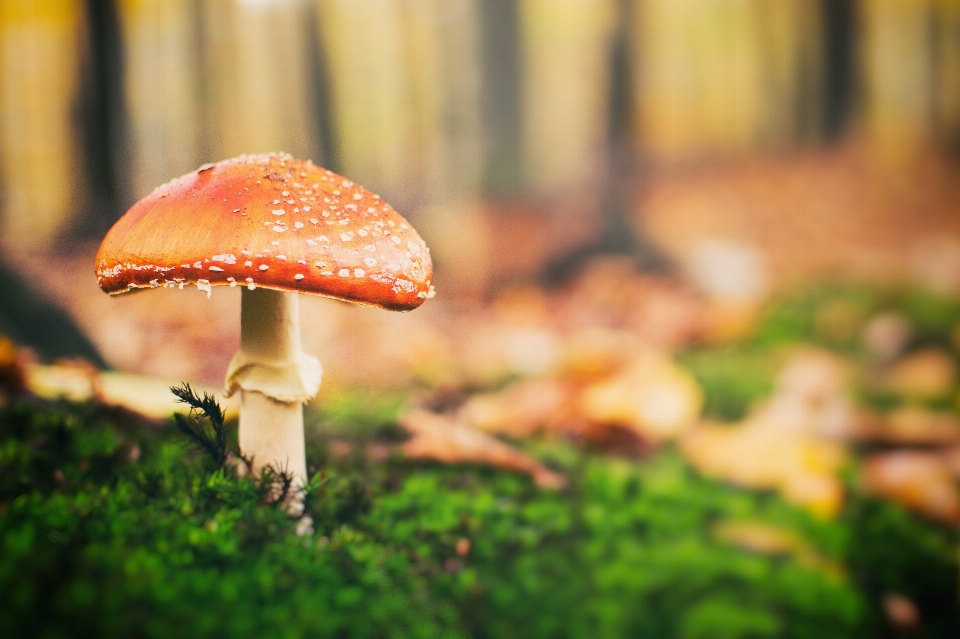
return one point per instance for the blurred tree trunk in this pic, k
(715, 77)
(363, 45)
(567, 53)
(442, 52)
(405, 88)
(39, 46)
(500, 100)
(257, 66)
(897, 66)
(161, 86)
(948, 73)
(910, 61)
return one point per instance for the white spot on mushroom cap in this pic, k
(299, 276)
(278, 211)
(403, 285)
(264, 267)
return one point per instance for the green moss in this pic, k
(733, 378)
(111, 526)
(101, 542)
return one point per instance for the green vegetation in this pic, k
(112, 526)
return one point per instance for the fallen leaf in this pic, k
(919, 481)
(79, 381)
(951, 459)
(925, 374)
(521, 409)
(760, 455)
(915, 425)
(445, 439)
(652, 396)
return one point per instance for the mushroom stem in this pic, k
(271, 432)
(275, 377)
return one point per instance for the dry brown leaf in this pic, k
(951, 459)
(445, 439)
(919, 481)
(652, 396)
(925, 374)
(725, 321)
(521, 409)
(915, 425)
(593, 353)
(79, 381)
(812, 397)
(761, 455)
(73, 380)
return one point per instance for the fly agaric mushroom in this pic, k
(276, 226)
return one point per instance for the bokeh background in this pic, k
(739, 143)
(725, 227)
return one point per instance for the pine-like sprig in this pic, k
(205, 424)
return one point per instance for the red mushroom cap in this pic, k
(268, 221)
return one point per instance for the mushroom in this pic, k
(275, 226)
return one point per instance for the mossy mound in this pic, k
(112, 526)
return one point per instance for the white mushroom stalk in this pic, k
(275, 378)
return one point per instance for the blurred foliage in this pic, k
(733, 377)
(831, 315)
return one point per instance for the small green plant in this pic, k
(205, 424)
